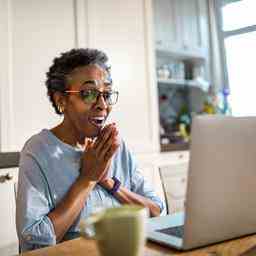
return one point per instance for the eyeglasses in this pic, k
(92, 96)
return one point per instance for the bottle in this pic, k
(160, 73)
(226, 103)
(166, 72)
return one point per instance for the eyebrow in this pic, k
(87, 85)
(108, 82)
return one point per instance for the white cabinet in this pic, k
(174, 179)
(194, 25)
(167, 173)
(123, 30)
(33, 33)
(181, 27)
(8, 236)
(151, 173)
(173, 168)
(30, 41)
(167, 25)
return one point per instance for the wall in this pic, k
(33, 32)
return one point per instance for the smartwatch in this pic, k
(117, 184)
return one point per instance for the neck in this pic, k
(68, 135)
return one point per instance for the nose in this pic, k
(101, 103)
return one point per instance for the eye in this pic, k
(108, 83)
(89, 95)
(107, 95)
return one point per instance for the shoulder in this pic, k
(38, 147)
(32, 157)
(37, 142)
(39, 155)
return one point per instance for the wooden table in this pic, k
(245, 246)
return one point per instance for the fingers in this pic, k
(109, 154)
(104, 135)
(111, 145)
(88, 144)
(105, 145)
(98, 153)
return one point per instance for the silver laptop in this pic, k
(220, 198)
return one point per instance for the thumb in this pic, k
(88, 143)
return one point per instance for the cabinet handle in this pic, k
(183, 180)
(159, 42)
(6, 177)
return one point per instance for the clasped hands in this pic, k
(98, 154)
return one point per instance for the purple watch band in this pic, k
(116, 186)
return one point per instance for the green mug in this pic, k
(118, 230)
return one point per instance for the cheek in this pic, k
(81, 124)
(82, 119)
(78, 113)
(78, 120)
(109, 109)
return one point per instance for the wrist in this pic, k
(84, 182)
(107, 183)
(115, 186)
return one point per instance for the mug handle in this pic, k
(88, 222)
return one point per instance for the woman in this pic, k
(68, 171)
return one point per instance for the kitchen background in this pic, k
(183, 37)
(168, 63)
(204, 63)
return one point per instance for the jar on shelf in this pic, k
(198, 72)
(160, 73)
(181, 70)
(163, 72)
(166, 71)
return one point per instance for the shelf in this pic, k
(202, 84)
(9, 159)
(174, 147)
(182, 55)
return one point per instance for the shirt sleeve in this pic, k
(34, 228)
(139, 184)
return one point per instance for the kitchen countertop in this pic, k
(174, 147)
(9, 159)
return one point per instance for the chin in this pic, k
(92, 133)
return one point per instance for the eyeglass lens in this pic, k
(92, 96)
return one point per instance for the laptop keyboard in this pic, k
(173, 231)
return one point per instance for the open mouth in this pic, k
(97, 121)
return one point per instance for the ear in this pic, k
(59, 99)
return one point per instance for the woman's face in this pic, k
(86, 119)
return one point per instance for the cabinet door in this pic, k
(121, 29)
(151, 173)
(8, 236)
(181, 26)
(174, 178)
(32, 33)
(194, 26)
(167, 24)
